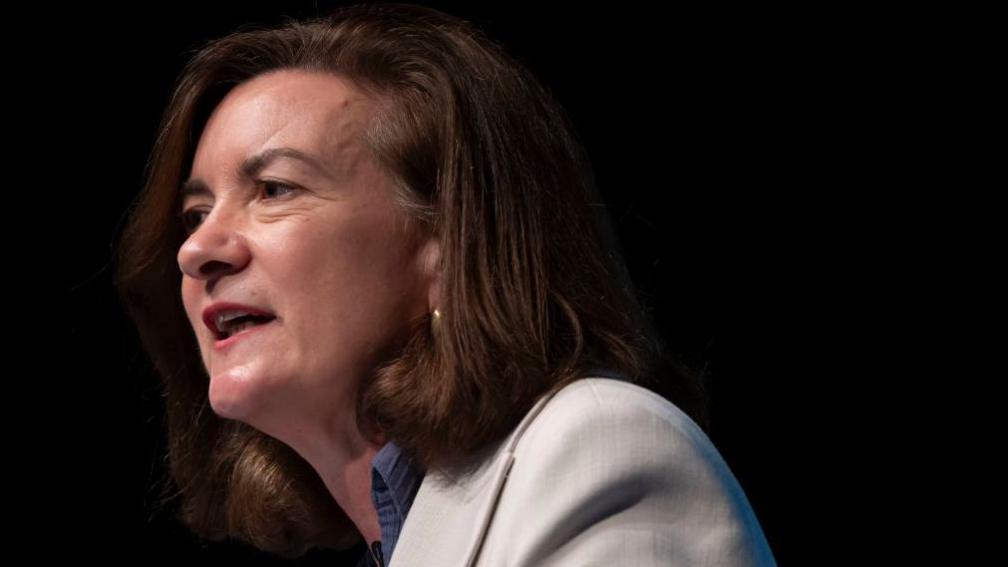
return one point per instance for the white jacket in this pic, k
(603, 473)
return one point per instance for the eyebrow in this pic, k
(253, 165)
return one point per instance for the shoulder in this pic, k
(611, 397)
(604, 464)
(616, 429)
(605, 410)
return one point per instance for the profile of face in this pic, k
(315, 241)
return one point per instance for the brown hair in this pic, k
(535, 292)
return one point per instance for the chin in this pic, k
(230, 400)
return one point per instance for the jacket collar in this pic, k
(458, 499)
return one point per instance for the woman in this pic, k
(367, 267)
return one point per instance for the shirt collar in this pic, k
(395, 481)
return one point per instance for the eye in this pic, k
(191, 219)
(276, 186)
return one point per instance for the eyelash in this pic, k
(185, 215)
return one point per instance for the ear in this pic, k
(430, 267)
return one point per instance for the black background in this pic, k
(723, 140)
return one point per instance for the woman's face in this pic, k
(319, 244)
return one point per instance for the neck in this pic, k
(351, 488)
(343, 462)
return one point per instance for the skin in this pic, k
(332, 257)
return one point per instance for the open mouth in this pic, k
(239, 324)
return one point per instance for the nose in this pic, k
(215, 248)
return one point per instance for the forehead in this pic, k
(318, 113)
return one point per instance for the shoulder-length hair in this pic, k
(535, 291)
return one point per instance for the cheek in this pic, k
(330, 282)
(356, 278)
(353, 252)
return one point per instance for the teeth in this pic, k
(242, 326)
(225, 316)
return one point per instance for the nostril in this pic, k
(213, 266)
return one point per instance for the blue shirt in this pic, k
(394, 484)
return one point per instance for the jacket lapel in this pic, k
(453, 506)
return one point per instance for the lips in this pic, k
(210, 314)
